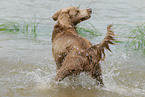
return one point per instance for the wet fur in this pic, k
(74, 54)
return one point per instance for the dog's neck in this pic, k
(67, 25)
(59, 29)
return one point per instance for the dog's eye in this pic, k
(78, 11)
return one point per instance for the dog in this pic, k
(72, 53)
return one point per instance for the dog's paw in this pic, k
(58, 79)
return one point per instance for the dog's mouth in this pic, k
(88, 16)
(85, 18)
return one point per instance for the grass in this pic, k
(135, 35)
(89, 31)
(10, 27)
(28, 28)
(136, 38)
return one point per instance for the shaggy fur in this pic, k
(72, 53)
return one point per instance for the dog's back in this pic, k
(65, 42)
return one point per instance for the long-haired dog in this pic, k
(72, 53)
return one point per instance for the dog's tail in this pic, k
(97, 52)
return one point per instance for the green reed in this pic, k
(10, 27)
(136, 38)
(29, 27)
(88, 31)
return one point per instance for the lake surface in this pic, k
(27, 68)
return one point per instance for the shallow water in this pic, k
(28, 69)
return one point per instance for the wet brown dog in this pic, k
(72, 53)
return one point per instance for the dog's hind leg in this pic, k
(71, 65)
(96, 73)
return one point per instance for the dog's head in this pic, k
(72, 15)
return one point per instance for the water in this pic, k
(27, 68)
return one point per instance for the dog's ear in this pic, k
(64, 19)
(55, 16)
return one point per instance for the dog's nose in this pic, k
(90, 10)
